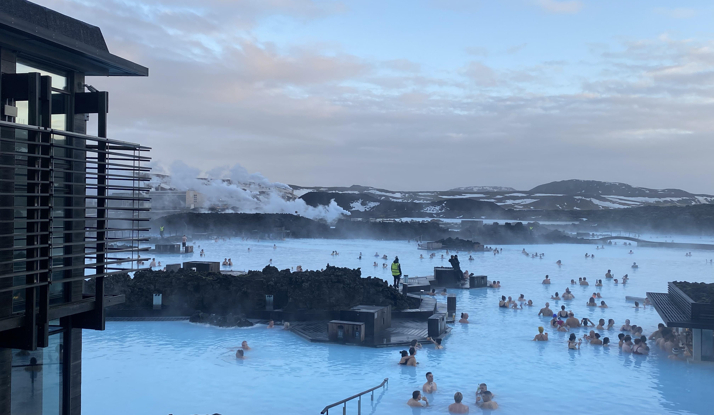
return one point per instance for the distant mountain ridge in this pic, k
(596, 188)
(482, 189)
(492, 201)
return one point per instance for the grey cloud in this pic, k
(560, 6)
(517, 48)
(676, 13)
(480, 74)
(476, 51)
(310, 116)
(402, 65)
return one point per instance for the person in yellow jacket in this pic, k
(396, 272)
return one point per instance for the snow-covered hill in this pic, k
(561, 195)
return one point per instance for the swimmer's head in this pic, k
(540, 329)
(413, 343)
(606, 340)
(555, 315)
(438, 341)
(404, 353)
(429, 376)
(458, 397)
(487, 396)
(572, 337)
(416, 395)
(412, 351)
(239, 353)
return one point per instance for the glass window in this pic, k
(36, 383)
(59, 86)
(59, 79)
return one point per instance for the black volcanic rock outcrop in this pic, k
(188, 293)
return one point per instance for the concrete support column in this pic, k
(697, 345)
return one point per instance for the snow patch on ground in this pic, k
(434, 209)
(377, 192)
(516, 202)
(461, 196)
(357, 205)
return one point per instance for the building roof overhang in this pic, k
(41, 34)
(673, 316)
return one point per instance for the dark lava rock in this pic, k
(224, 300)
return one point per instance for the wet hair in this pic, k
(412, 351)
(427, 374)
(638, 341)
(415, 394)
(562, 307)
(239, 353)
(597, 335)
(661, 326)
(414, 343)
(591, 301)
(33, 361)
(602, 302)
(628, 338)
(462, 315)
(644, 339)
(637, 303)
(404, 353)
(438, 341)
(621, 336)
(602, 321)
(572, 337)
(458, 397)
(503, 298)
(487, 396)
(610, 321)
(606, 340)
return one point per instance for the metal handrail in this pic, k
(359, 402)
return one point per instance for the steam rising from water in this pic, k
(247, 193)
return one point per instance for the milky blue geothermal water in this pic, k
(183, 368)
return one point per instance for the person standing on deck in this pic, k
(161, 231)
(396, 272)
(183, 242)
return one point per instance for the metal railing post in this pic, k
(359, 406)
(344, 409)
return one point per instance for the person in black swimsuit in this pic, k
(562, 313)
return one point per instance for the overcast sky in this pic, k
(418, 94)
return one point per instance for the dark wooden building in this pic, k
(678, 310)
(70, 203)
